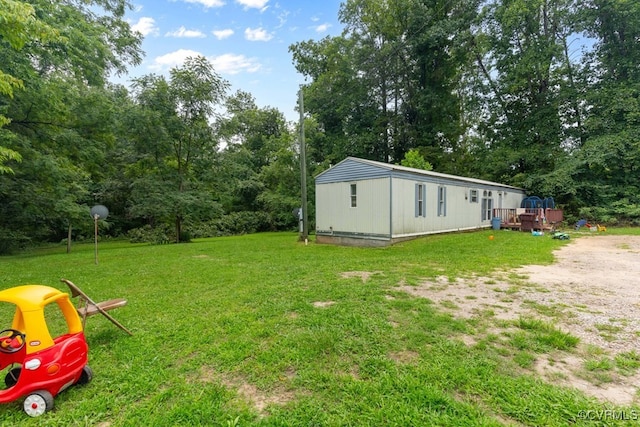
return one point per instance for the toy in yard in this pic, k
(560, 236)
(582, 223)
(40, 366)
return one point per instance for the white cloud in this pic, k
(254, 4)
(145, 26)
(282, 18)
(230, 63)
(257, 35)
(223, 34)
(172, 59)
(322, 28)
(183, 32)
(207, 3)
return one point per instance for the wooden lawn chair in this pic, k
(90, 307)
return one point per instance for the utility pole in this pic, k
(303, 171)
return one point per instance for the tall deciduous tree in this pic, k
(607, 167)
(174, 136)
(18, 25)
(61, 53)
(388, 84)
(260, 161)
(519, 48)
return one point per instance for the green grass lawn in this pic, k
(265, 330)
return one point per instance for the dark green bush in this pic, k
(620, 212)
(234, 223)
(147, 234)
(12, 241)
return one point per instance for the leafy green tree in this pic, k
(173, 138)
(413, 159)
(333, 95)
(519, 51)
(61, 53)
(388, 83)
(18, 25)
(260, 161)
(436, 54)
(607, 166)
(259, 130)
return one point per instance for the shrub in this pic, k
(11, 241)
(620, 212)
(234, 223)
(148, 234)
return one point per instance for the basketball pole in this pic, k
(95, 238)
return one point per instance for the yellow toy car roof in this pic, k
(30, 297)
(29, 317)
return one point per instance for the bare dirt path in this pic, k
(592, 291)
(600, 277)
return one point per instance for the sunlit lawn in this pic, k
(265, 330)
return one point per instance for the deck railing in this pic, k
(506, 215)
(510, 217)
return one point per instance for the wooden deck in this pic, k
(527, 219)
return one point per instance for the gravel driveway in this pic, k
(592, 291)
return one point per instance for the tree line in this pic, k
(541, 94)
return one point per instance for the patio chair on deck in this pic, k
(90, 307)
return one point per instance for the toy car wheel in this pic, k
(86, 376)
(37, 403)
(11, 378)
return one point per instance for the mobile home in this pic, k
(369, 203)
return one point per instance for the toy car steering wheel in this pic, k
(11, 341)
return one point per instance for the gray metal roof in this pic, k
(386, 169)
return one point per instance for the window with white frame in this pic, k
(473, 196)
(421, 193)
(442, 201)
(354, 196)
(487, 205)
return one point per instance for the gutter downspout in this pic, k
(390, 207)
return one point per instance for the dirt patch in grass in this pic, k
(568, 370)
(592, 291)
(405, 357)
(322, 304)
(259, 399)
(364, 275)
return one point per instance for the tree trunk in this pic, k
(69, 239)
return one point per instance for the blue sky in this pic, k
(247, 41)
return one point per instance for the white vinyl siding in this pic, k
(370, 200)
(372, 214)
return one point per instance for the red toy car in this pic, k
(39, 366)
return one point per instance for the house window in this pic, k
(354, 193)
(442, 201)
(487, 206)
(473, 196)
(421, 193)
